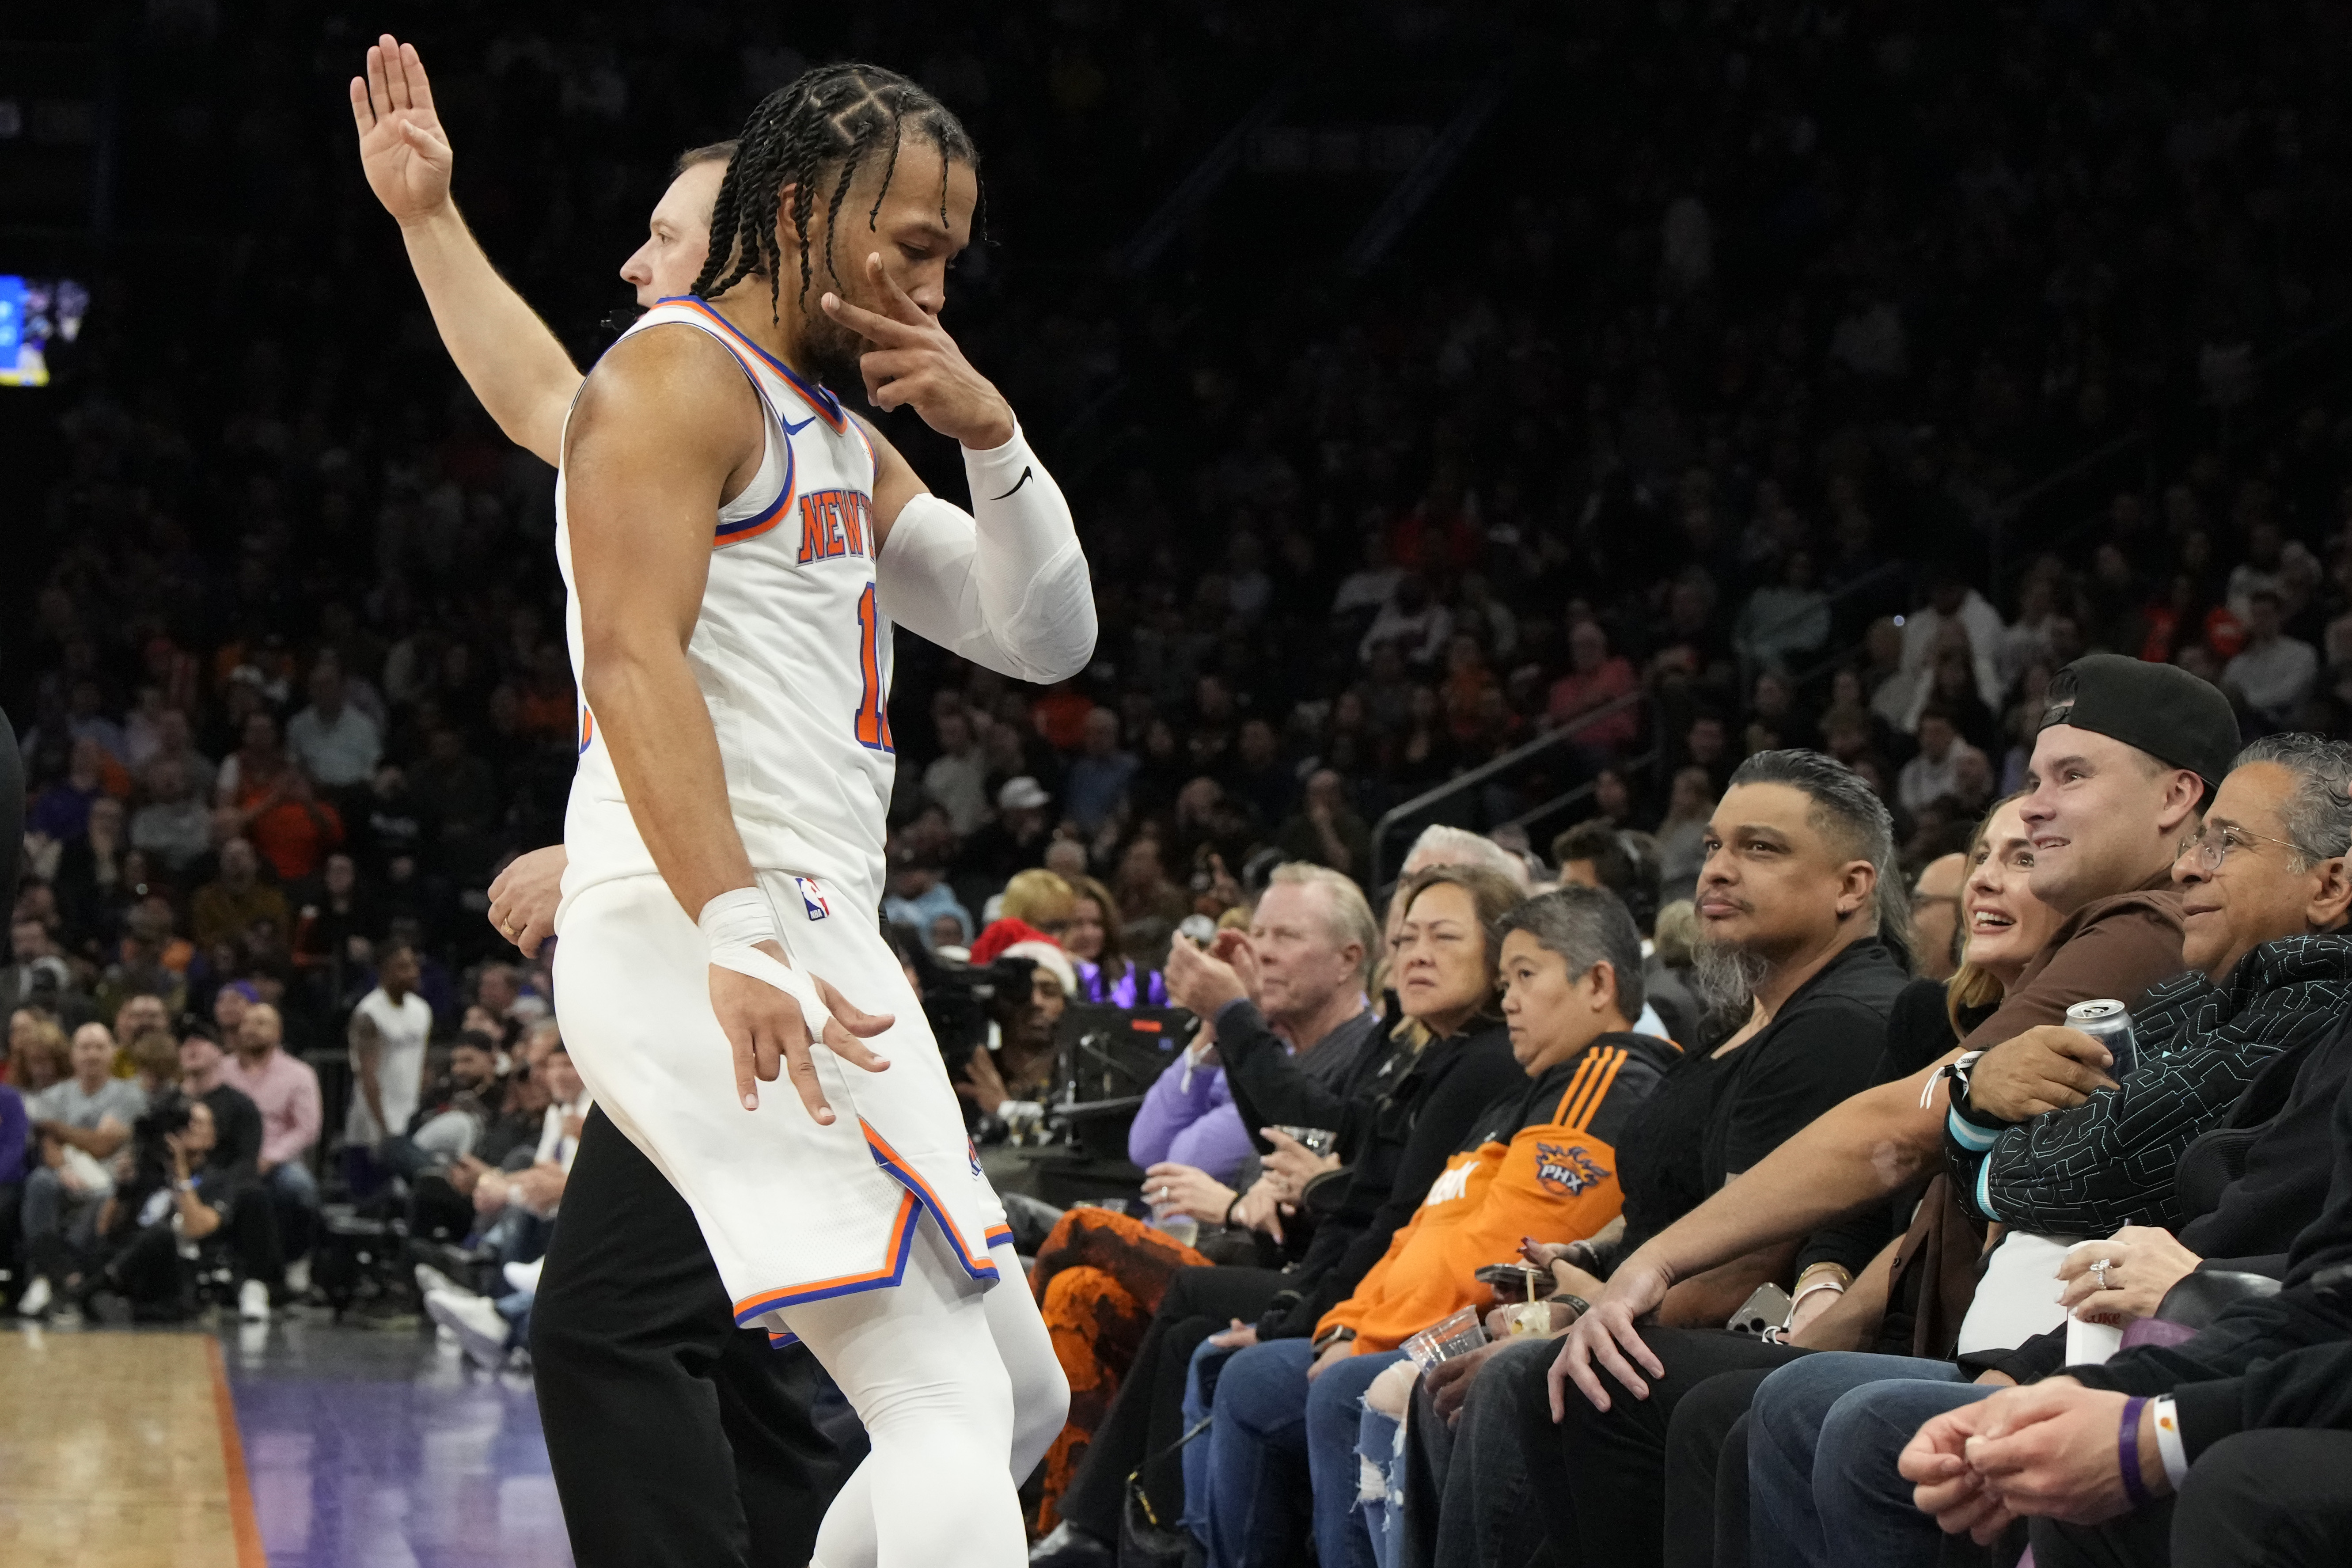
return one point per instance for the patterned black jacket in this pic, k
(2110, 1162)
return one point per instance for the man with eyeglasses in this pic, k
(2264, 888)
(2249, 1037)
(2127, 755)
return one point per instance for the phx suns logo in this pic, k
(1567, 1171)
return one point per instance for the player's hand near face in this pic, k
(771, 1036)
(915, 363)
(403, 148)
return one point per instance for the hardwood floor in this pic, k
(121, 1449)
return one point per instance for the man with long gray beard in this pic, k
(1802, 913)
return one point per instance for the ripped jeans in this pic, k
(1380, 1464)
(1274, 1430)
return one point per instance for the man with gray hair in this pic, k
(2236, 1038)
(1289, 1000)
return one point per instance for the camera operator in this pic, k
(181, 1211)
(1016, 1065)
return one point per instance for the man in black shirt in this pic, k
(1796, 901)
(236, 1121)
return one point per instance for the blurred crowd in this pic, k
(1765, 380)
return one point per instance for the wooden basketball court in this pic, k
(122, 1450)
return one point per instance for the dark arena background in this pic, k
(1502, 417)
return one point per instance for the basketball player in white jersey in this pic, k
(735, 542)
(388, 1034)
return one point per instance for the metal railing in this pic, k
(1492, 768)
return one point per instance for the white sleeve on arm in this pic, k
(1004, 585)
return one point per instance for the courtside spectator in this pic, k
(1095, 940)
(80, 1124)
(285, 1089)
(1801, 915)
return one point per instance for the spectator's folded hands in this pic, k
(1262, 1206)
(1239, 1336)
(1944, 1485)
(2050, 1450)
(2044, 1069)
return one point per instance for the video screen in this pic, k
(35, 312)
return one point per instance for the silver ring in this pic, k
(2099, 1272)
(1164, 1192)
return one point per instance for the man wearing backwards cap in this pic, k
(2127, 755)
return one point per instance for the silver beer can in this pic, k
(2108, 1022)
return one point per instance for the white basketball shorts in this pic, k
(793, 1211)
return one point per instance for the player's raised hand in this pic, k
(915, 363)
(403, 149)
(769, 1032)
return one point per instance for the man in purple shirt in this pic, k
(286, 1090)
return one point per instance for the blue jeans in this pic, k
(1274, 1430)
(1200, 1479)
(1823, 1437)
(294, 1193)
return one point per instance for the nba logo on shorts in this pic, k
(813, 898)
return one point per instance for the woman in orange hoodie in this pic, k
(1541, 1162)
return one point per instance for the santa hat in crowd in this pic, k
(1019, 939)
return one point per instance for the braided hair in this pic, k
(830, 116)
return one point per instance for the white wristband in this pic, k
(732, 924)
(740, 917)
(2168, 1443)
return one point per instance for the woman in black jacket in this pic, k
(1396, 1141)
(1445, 1062)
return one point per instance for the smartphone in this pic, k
(1767, 1309)
(1509, 1281)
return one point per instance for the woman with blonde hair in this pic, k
(37, 1052)
(2002, 926)
(1039, 898)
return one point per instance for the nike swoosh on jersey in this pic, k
(1023, 480)
(792, 429)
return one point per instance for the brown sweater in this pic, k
(2116, 946)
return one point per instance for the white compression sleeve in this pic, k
(1004, 585)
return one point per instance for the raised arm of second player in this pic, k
(666, 428)
(504, 350)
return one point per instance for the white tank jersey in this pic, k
(791, 650)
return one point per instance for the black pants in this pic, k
(145, 1266)
(2269, 1499)
(1146, 1416)
(1706, 1472)
(677, 1439)
(1597, 1480)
